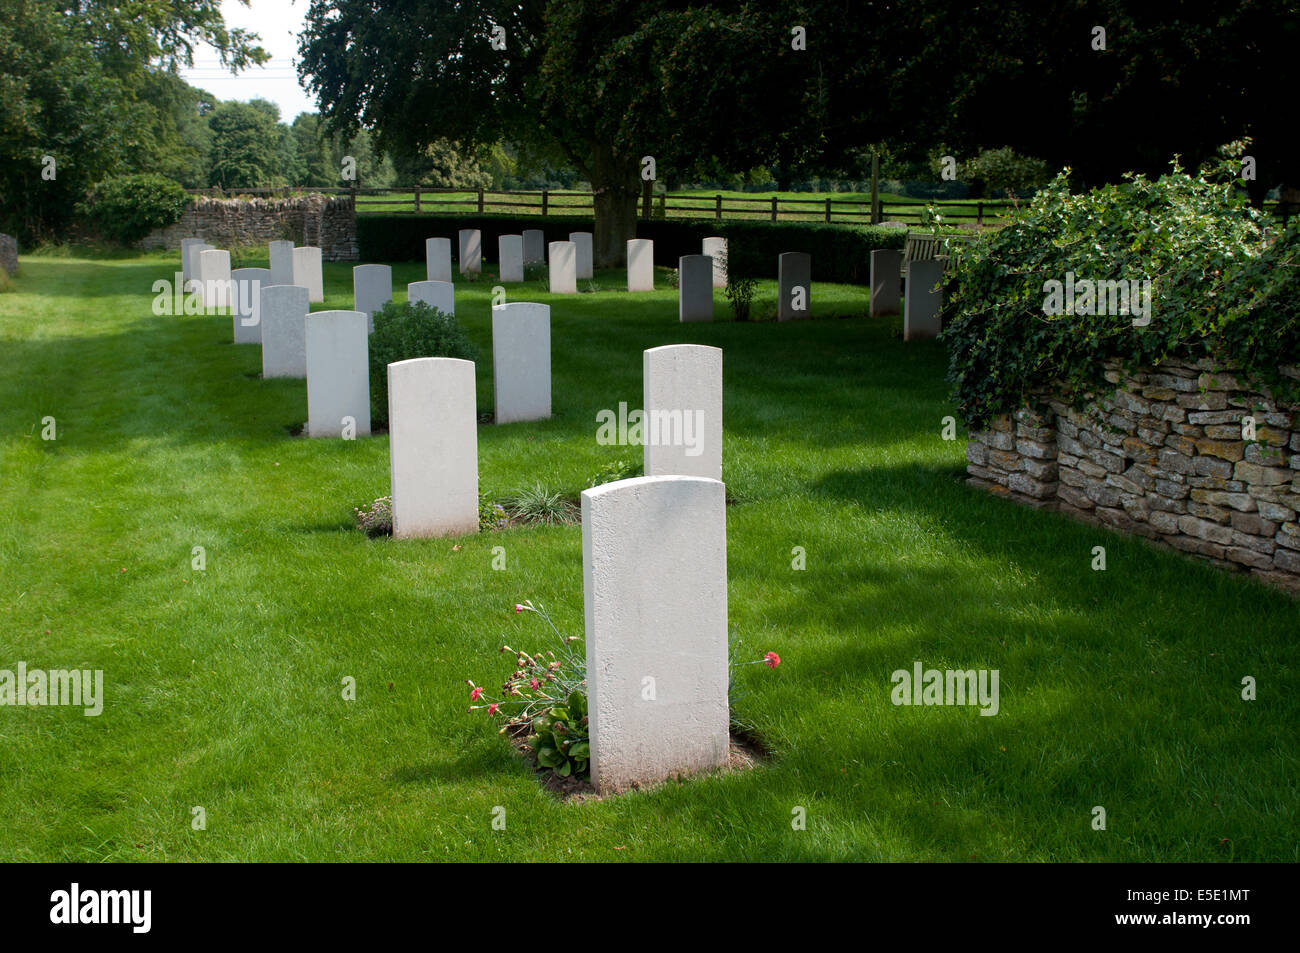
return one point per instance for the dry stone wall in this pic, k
(1188, 455)
(326, 222)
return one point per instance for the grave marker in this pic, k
(433, 447)
(338, 374)
(372, 288)
(214, 279)
(794, 281)
(246, 286)
(284, 331)
(510, 256)
(471, 251)
(654, 573)
(695, 288)
(582, 240)
(717, 248)
(886, 267)
(563, 268)
(440, 295)
(640, 264)
(308, 273)
(281, 258)
(923, 300)
(534, 246)
(521, 361)
(682, 401)
(437, 259)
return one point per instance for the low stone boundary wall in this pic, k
(1168, 456)
(327, 222)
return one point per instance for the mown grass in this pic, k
(1118, 688)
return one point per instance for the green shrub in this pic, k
(1216, 292)
(126, 208)
(616, 470)
(541, 506)
(407, 330)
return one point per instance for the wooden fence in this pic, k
(967, 213)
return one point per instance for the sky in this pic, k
(278, 23)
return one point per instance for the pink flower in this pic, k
(534, 684)
(492, 709)
(518, 608)
(476, 694)
(771, 660)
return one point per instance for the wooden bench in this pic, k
(926, 247)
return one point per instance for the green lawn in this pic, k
(1118, 688)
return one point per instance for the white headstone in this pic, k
(923, 300)
(433, 447)
(886, 266)
(190, 265)
(372, 288)
(284, 331)
(534, 246)
(439, 295)
(682, 403)
(564, 268)
(583, 242)
(654, 574)
(510, 256)
(695, 288)
(717, 248)
(640, 264)
(471, 251)
(281, 258)
(187, 266)
(338, 374)
(246, 286)
(521, 361)
(437, 259)
(794, 285)
(214, 278)
(308, 273)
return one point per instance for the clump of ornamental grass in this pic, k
(541, 506)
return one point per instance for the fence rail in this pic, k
(964, 213)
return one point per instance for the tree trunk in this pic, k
(616, 182)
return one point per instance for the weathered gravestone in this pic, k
(372, 288)
(9, 254)
(338, 375)
(717, 249)
(433, 447)
(794, 281)
(510, 256)
(280, 256)
(582, 241)
(439, 295)
(695, 288)
(214, 279)
(563, 268)
(521, 361)
(640, 264)
(307, 272)
(187, 259)
(471, 251)
(246, 286)
(437, 259)
(886, 265)
(654, 573)
(284, 331)
(682, 405)
(923, 300)
(534, 246)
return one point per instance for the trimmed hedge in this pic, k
(840, 253)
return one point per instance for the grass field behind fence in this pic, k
(1119, 689)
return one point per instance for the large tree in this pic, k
(600, 83)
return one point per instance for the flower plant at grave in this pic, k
(546, 697)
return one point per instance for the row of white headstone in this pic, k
(654, 547)
(654, 557)
(923, 300)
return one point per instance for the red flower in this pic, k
(518, 608)
(534, 684)
(492, 709)
(476, 694)
(771, 660)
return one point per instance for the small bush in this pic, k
(126, 208)
(540, 506)
(407, 330)
(616, 470)
(491, 514)
(377, 518)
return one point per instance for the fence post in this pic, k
(480, 201)
(663, 205)
(646, 198)
(979, 213)
(717, 213)
(545, 200)
(417, 200)
(774, 208)
(828, 210)
(875, 189)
